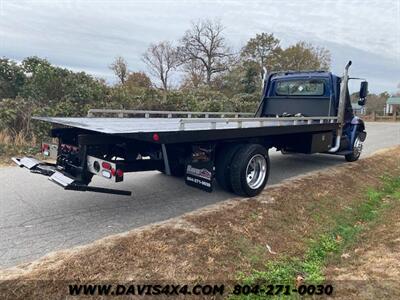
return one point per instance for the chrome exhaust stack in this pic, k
(341, 108)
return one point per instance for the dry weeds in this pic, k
(16, 144)
(371, 269)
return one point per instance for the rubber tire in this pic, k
(284, 152)
(238, 169)
(351, 157)
(223, 166)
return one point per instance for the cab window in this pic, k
(310, 87)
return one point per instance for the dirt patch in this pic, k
(371, 270)
(212, 244)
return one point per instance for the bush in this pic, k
(15, 115)
(55, 91)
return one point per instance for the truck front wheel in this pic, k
(249, 170)
(356, 150)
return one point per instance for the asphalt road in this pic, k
(37, 217)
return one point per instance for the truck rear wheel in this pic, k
(249, 170)
(223, 165)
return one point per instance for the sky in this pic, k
(88, 35)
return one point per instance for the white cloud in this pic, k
(88, 34)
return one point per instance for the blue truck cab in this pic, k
(317, 93)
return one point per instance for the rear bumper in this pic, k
(61, 178)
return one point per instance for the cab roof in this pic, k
(301, 74)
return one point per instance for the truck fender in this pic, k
(358, 128)
(357, 121)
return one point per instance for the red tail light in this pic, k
(119, 173)
(106, 165)
(156, 137)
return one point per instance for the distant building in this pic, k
(392, 105)
(358, 109)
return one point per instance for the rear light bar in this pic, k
(120, 173)
(49, 150)
(106, 174)
(69, 148)
(106, 165)
(45, 149)
(105, 169)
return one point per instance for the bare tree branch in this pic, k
(161, 59)
(120, 69)
(205, 43)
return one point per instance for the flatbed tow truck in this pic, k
(300, 112)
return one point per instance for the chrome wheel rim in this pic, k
(357, 147)
(256, 171)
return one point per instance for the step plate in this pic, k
(27, 162)
(61, 179)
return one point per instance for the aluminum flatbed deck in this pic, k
(173, 130)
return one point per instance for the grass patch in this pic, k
(349, 223)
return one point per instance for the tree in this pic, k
(48, 85)
(32, 63)
(138, 80)
(260, 49)
(12, 78)
(120, 69)
(205, 44)
(161, 59)
(242, 78)
(301, 56)
(376, 102)
(194, 74)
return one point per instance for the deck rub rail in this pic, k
(280, 121)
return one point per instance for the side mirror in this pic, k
(363, 92)
(361, 102)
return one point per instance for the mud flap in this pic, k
(200, 169)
